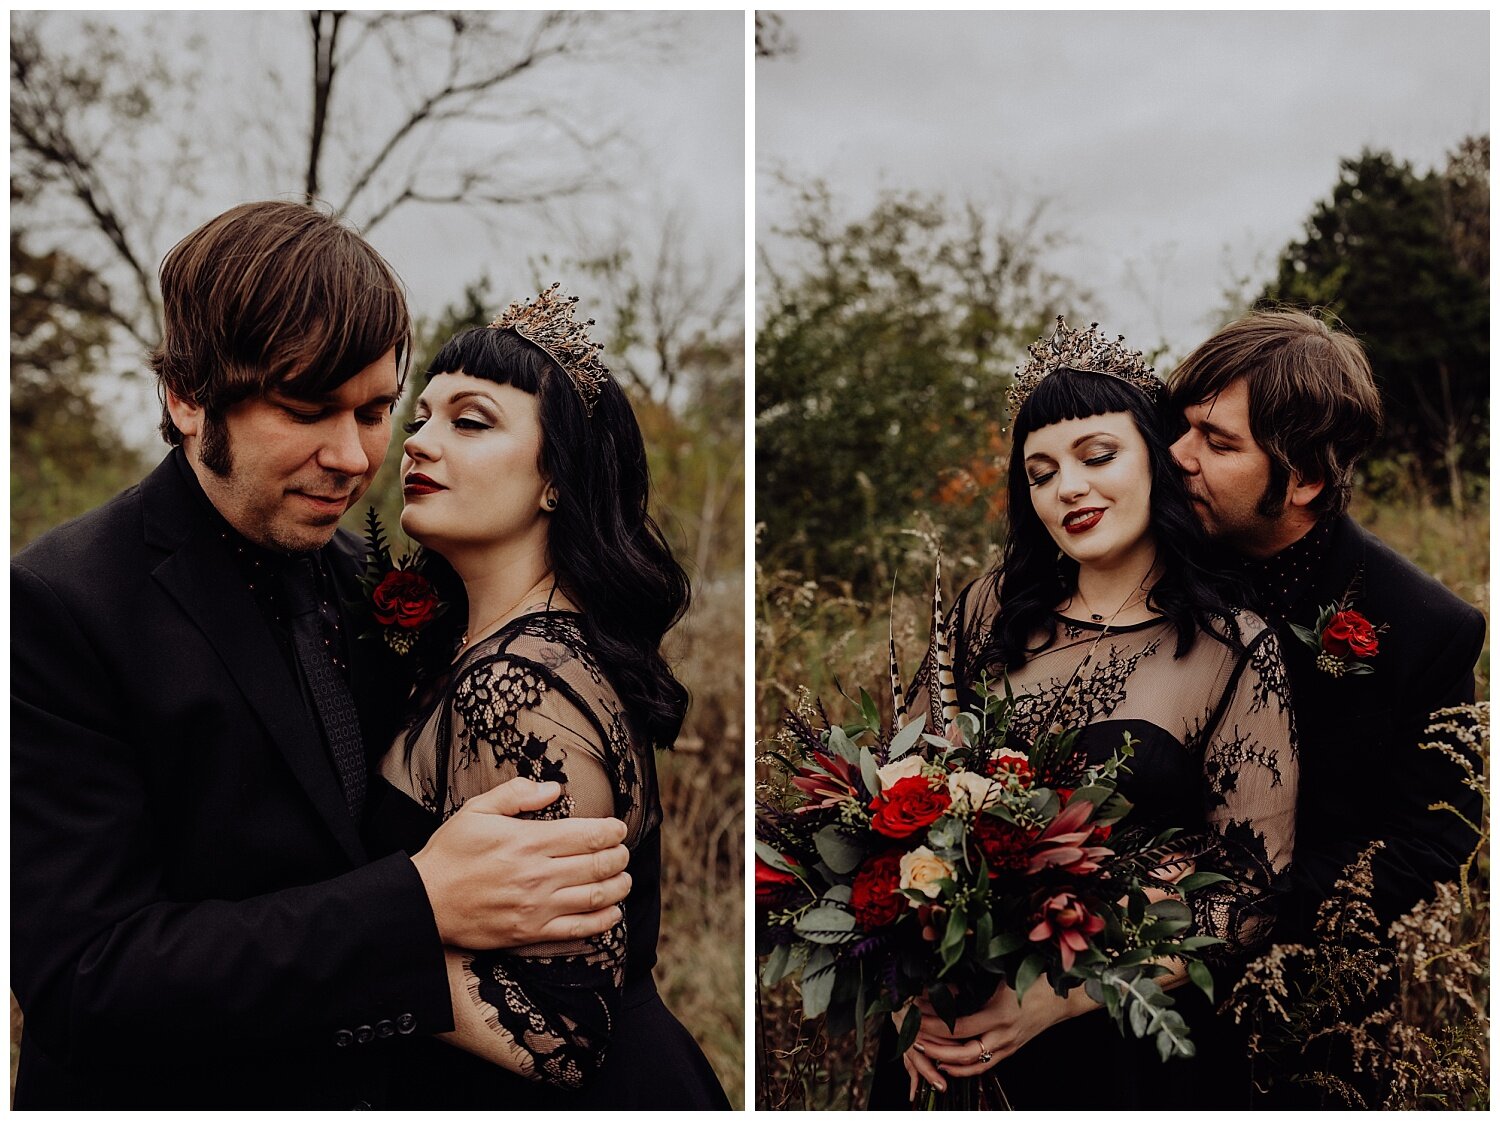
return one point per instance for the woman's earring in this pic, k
(550, 502)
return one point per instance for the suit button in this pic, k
(385, 1029)
(406, 1023)
(343, 1037)
(364, 1033)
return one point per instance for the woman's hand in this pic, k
(997, 1030)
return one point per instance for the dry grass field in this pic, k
(819, 637)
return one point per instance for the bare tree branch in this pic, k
(325, 34)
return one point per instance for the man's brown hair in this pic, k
(1314, 405)
(273, 294)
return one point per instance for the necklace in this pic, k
(1137, 596)
(464, 641)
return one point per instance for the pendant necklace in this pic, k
(1135, 597)
(464, 641)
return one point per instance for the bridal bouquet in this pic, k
(900, 863)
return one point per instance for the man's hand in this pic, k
(495, 881)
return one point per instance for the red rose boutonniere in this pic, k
(401, 601)
(1342, 638)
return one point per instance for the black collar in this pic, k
(1280, 581)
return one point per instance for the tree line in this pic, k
(883, 352)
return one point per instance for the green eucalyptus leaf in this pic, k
(826, 924)
(1195, 880)
(904, 740)
(868, 710)
(1097, 794)
(841, 745)
(818, 989)
(839, 852)
(868, 771)
(1165, 1045)
(772, 857)
(778, 965)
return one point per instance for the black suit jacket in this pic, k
(195, 921)
(1362, 775)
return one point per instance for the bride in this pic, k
(1103, 617)
(525, 472)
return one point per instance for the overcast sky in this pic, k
(673, 96)
(1176, 149)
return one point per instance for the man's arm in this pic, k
(1422, 846)
(109, 957)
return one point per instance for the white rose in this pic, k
(892, 773)
(971, 791)
(922, 869)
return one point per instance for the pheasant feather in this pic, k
(897, 692)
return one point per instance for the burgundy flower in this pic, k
(873, 897)
(909, 805)
(1004, 845)
(1013, 762)
(404, 599)
(1066, 920)
(1350, 633)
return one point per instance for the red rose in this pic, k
(873, 898)
(907, 806)
(1009, 761)
(404, 598)
(1349, 632)
(1004, 845)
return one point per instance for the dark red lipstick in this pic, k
(417, 483)
(1081, 521)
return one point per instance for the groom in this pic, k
(1279, 410)
(196, 921)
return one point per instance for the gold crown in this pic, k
(1085, 351)
(548, 322)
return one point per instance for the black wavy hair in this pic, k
(607, 551)
(1035, 576)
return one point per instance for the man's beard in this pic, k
(213, 450)
(1273, 500)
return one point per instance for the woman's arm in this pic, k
(543, 1011)
(1250, 785)
(1004, 1024)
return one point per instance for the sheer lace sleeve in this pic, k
(1250, 788)
(532, 702)
(546, 1011)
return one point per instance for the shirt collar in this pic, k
(1281, 580)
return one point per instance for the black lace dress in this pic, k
(581, 1021)
(1216, 756)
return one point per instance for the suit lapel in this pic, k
(380, 680)
(200, 575)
